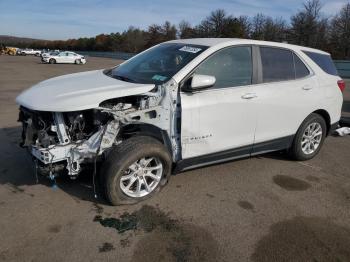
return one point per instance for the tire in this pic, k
(77, 62)
(118, 167)
(298, 150)
(52, 61)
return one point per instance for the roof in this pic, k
(206, 41)
(211, 42)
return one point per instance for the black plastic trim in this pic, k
(236, 153)
(273, 145)
(214, 158)
(256, 65)
(332, 128)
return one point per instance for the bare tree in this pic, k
(275, 29)
(258, 23)
(246, 26)
(213, 25)
(160, 33)
(308, 26)
(340, 33)
(186, 30)
(268, 29)
(217, 21)
(133, 40)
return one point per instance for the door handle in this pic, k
(307, 87)
(249, 96)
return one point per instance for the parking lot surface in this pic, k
(265, 208)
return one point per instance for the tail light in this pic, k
(341, 85)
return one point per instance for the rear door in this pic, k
(286, 96)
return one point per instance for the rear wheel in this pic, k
(135, 170)
(52, 61)
(309, 138)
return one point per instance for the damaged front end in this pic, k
(69, 141)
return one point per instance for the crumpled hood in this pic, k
(78, 91)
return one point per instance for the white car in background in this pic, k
(49, 52)
(29, 52)
(64, 58)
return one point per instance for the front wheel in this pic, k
(309, 138)
(52, 61)
(77, 61)
(135, 170)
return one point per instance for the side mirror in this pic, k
(202, 81)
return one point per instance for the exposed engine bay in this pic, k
(66, 141)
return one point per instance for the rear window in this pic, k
(323, 61)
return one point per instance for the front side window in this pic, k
(157, 65)
(277, 64)
(231, 67)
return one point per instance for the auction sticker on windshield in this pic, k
(190, 49)
(159, 78)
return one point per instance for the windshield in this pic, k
(158, 64)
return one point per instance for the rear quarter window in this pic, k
(300, 68)
(323, 61)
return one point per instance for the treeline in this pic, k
(308, 27)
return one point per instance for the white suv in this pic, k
(179, 105)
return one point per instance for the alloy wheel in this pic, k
(311, 138)
(142, 177)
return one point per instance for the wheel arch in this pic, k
(143, 129)
(326, 117)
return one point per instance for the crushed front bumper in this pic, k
(52, 154)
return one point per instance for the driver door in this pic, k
(221, 118)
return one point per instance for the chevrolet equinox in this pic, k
(179, 105)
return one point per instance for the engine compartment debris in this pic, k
(66, 141)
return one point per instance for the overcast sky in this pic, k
(63, 19)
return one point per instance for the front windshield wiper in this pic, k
(124, 78)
